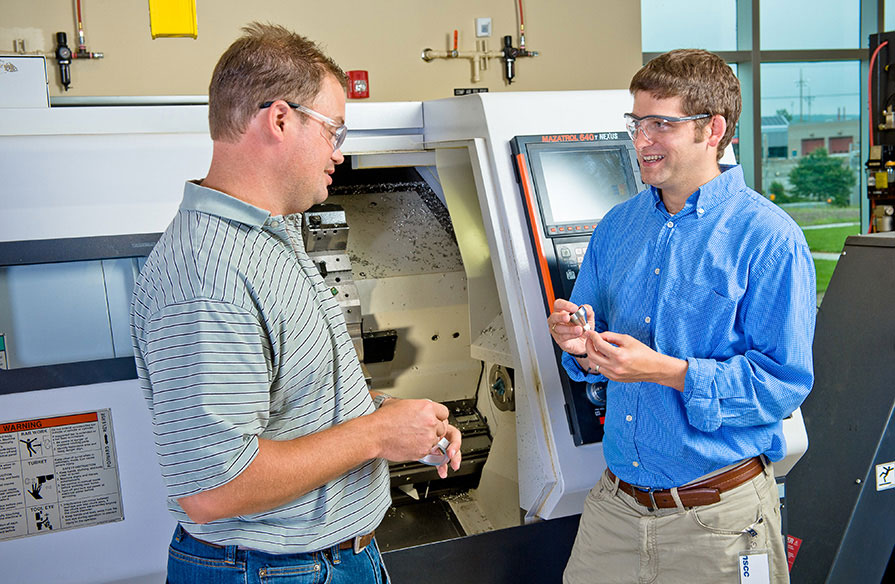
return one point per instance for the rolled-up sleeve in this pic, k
(210, 392)
(773, 373)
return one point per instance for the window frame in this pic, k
(749, 57)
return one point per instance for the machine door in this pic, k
(568, 182)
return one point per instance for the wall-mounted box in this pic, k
(173, 18)
(23, 81)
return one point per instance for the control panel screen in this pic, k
(583, 184)
(568, 184)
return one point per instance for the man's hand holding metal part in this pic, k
(618, 357)
(568, 327)
(417, 429)
(568, 330)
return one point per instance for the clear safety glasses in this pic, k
(655, 126)
(337, 131)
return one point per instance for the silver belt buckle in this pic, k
(359, 544)
(652, 498)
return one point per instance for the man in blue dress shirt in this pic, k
(700, 301)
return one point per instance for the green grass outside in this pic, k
(822, 215)
(829, 240)
(824, 269)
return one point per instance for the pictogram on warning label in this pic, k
(885, 476)
(58, 473)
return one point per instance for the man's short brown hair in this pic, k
(703, 81)
(267, 63)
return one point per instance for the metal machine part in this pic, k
(379, 346)
(841, 498)
(479, 57)
(63, 58)
(500, 382)
(596, 394)
(325, 232)
(579, 317)
(882, 218)
(438, 454)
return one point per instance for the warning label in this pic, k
(58, 473)
(885, 476)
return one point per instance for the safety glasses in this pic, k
(337, 131)
(655, 126)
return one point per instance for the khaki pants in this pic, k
(620, 541)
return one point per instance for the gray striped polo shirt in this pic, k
(237, 337)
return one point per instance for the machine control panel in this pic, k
(569, 254)
(568, 183)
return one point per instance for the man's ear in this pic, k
(272, 120)
(717, 128)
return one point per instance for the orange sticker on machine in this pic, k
(48, 422)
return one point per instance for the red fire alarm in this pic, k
(358, 84)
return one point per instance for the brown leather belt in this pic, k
(704, 492)
(357, 543)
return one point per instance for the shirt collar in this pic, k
(206, 200)
(714, 192)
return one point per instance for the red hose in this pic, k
(870, 115)
(869, 87)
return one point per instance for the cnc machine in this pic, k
(455, 258)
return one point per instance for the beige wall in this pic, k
(584, 44)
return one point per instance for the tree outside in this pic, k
(778, 193)
(821, 177)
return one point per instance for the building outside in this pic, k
(785, 142)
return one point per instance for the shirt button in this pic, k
(629, 417)
(657, 271)
(646, 320)
(700, 210)
(635, 463)
(670, 224)
(274, 224)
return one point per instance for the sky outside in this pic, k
(826, 88)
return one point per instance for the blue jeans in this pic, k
(191, 561)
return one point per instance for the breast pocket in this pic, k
(694, 321)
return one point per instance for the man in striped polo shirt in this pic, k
(272, 450)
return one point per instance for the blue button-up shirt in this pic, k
(727, 284)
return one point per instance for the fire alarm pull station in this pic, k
(358, 84)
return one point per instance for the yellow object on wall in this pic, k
(173, 18)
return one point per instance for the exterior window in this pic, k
(805, 107)
(810, 24)
(672, 24)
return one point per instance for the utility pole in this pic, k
(801, 83)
